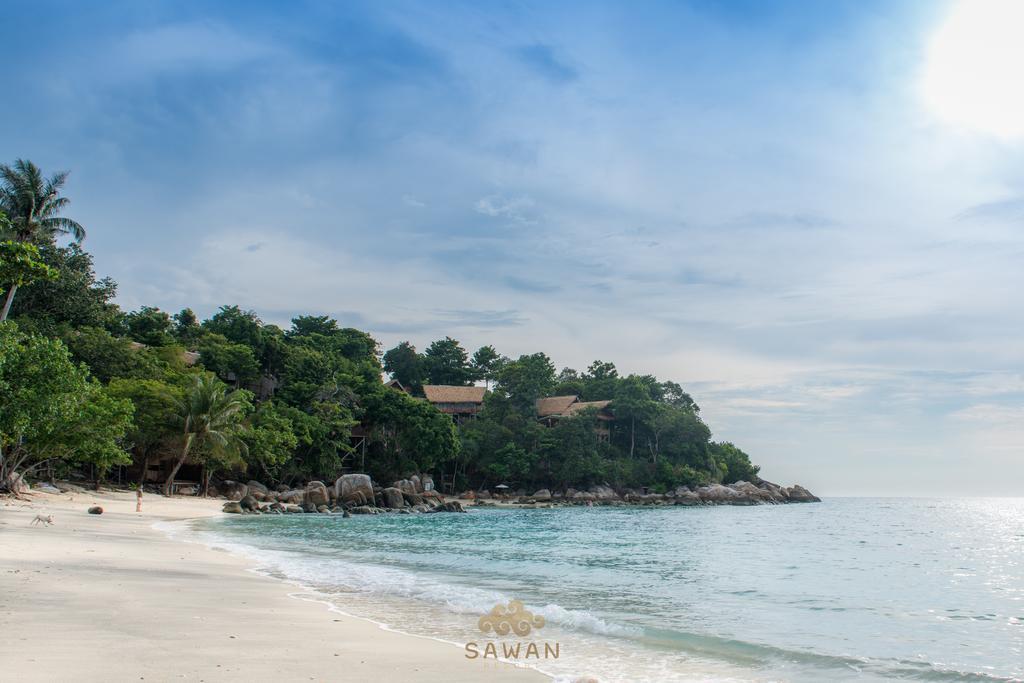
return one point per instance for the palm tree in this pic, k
(209, 417)
(33, 205)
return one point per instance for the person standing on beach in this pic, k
(138, 498)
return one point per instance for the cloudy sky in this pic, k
(810, 214)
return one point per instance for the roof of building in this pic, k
(554, 405)
(563, 406)
(584, 405)
(443, 393)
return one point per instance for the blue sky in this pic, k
(749, 198)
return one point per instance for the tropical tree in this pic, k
(486, 363)
(33, 205)
(209, 418)
(20, 264)
(446, 362)
(405, 365)
(52, 410)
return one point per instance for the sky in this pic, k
(809, 214)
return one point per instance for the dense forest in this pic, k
(85, 386)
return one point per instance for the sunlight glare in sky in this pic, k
(974, 76)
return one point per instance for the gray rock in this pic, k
(293, 496)
(95, 510)
(293, 509)
(427, 482)
(798, 494)
(362, 510)
(417, 484)
(405, 486)
(450, 506)
(316, 493)
(323, 510)
(44, 487)
(249, 503)
(393, 498)
(544, 495)
(234, 490)
(257, 490)
(413, 498)
(232, 507)
(354, 488)
(604, 492)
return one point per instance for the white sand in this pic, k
(109, 598)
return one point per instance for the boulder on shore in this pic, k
(604, 492)
(293, 496)
(232, 507)
(450, 506)
(249, 503)
(235, 490)
(354, 488)
(257, 490)
(542, 496)
(405, 486)
(798, 494)
(393, 498)
(427, 482)
(316, 493)
(95, 510)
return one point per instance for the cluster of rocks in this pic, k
(351, 494)
(740, 493)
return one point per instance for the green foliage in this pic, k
(271, 439)
(237, 326)
(527, 379)
(229, 361)
(405, 365)
(306, 325)
(149, 326)
(211, 421)
(154, 402)
(33, 203)
(21, 264)
(52, 409)
(74, 299)
(486, 363)
(737, 463)
(186, 328)
(108, 356)
(446, 362)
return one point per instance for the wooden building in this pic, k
(462, 403)
(554, 408)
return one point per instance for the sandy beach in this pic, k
(110, 598)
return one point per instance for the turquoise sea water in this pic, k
(847, 590)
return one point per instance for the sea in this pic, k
(849, 589)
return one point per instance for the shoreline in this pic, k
(108, 598)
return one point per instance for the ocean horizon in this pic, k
(853, 588)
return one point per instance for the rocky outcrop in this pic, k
(427, 483)
(249, 503)
(234, 490)
(316, 494)
(257, 490)
(233, 507)
(603, 492)
(293, 496)
(406, 485)
(542, 496)
(798, 494)
(393, 497)
(354, 488)
(450, 506)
